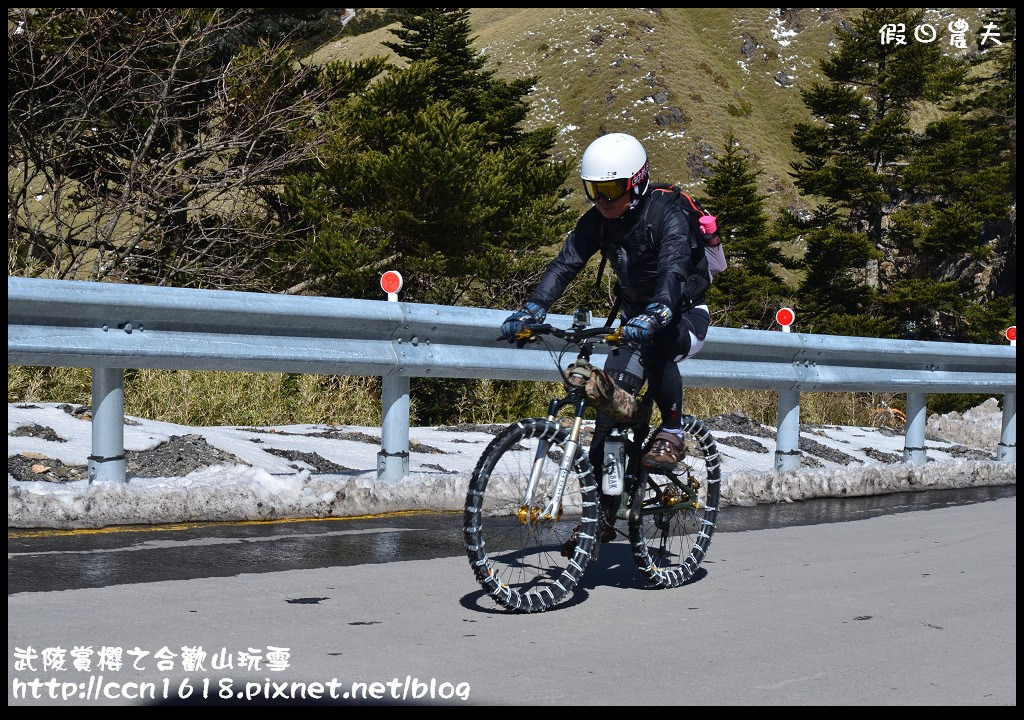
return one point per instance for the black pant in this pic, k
(655, 364)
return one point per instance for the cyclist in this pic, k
(661, 285)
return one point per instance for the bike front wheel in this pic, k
(672, 516)
(514, 542)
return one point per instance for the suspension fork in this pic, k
(572, 445)
(553, 507)
(541, 456)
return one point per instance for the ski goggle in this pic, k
(610, 190)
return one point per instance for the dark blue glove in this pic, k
(642, 328)
(517, 321)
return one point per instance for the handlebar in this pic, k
(575, 335)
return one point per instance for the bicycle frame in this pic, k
(576, 398)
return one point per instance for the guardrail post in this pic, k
(787, 437)
(106, 464)
(393, 458)
(914, 450)
(1008, 440)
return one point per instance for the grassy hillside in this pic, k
(680, 79)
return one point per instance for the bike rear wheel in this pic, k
(672, 517)
(514, 549)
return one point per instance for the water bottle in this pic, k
(614, 460)
(709, 230)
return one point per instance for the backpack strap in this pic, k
(600, 270)
(613, 313)
(597, 284)
(692, 204)
(660, 187)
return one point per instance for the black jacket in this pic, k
(650, 250)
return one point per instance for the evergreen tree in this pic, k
(855, 158)
(749, 291)
(997, 85)
(833, 298)
(732, 190)
(441, 35)
(414, 181)
(959, 233)
(429, 173)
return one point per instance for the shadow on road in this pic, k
(613, 568)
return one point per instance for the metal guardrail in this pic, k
(109, 327)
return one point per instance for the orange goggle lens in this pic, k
(608, 189)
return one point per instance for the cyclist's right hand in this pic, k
(642, 328)
(518, 321)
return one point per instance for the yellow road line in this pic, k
(46, 532)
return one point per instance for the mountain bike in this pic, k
(531, 519)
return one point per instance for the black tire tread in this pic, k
(673, 576)
(556, 591)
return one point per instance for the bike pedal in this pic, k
(569, 546)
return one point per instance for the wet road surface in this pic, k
(48, 560)
(912, 603)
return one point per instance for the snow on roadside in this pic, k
(325, 471)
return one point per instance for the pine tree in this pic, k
(416, 179)
(442, 36)
(833, 298)
(959, 233)
(855, 157)
(732, 189)
(427, 172)
(749, 291)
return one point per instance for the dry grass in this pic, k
(200, 399)
(203, 399)
(818, 408)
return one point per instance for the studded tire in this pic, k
(519, 561)
(669, 542)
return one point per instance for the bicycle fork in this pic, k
(553, 509)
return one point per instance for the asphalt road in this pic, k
(903, 606)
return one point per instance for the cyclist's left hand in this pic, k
(642, 328)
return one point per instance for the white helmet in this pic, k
(614, 164)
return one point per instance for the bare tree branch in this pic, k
(140, 151)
